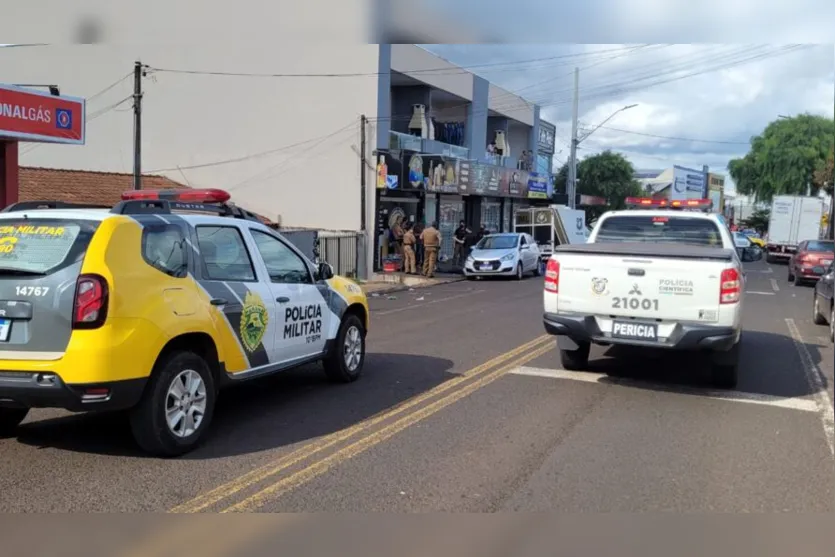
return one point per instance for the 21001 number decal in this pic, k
(646, 304)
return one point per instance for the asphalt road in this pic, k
(464, 407)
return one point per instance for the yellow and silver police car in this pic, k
(155, 305)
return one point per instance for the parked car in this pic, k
(811, 260)
(153, 308)
(509, 254)
(823, 311)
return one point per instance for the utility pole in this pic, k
(571, 187)
(137, 125)
(363, 173)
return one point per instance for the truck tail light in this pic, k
(730, 288)
(552, 276)
(90, 306)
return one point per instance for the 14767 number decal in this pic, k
(31, 290)
(635, 303)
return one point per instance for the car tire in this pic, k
(791, 276)
(725, 368)
(538, 270)
(10, 418)
(817, 317)
(520, 273)
(345, 361)
(173, 373)
(576, 360)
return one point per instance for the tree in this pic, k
(758, 220)
(608, 175)
(784, 158)
(823, 177)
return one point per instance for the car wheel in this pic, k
(177, 406)
(576, 360)
(725, 368)
(791, 276)
(817, 318)
(520, 274)
(345, 361)
(538, 269)
(10, 418)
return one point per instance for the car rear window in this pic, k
(42, 246)
(821, 246)
(659, 229)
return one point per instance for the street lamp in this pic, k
(575, 142)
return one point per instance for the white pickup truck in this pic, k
(662, 277)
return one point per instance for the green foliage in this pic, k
(608, 175)
(758, 220)
(785, 157)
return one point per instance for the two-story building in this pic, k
(281, 131)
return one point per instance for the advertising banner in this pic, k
(537, 186)
(513, 183)
(687, 183)
(414, 177)
(389, 172)
(441, 174)
(40, 117)
(547, 134)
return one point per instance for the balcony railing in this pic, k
(408, 142)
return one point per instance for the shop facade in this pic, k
(422, 189)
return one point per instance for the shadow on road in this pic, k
(291, 407)
(769, 365)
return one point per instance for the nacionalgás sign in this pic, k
(28, 115)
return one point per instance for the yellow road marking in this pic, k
(320, 467)
(224, 491)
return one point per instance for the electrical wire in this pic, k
(688, 139)
(254, 155)
(440, 71)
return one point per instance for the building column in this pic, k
(9, 173)
(476, 132)
(383, 96)
(534, 141)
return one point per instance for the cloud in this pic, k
(696, 104)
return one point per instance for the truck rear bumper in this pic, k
(583, 328)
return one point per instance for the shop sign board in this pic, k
(28, 115)
(441, 174)
(687, 183)
(547, 135)
(537, 186)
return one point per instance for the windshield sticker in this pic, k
(7, 244)
(29, 230)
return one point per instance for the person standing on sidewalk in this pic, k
(409, 251)
(431, 239)
(459, 249)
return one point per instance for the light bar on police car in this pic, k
(184, 195)
(676, 203)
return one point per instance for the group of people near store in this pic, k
(419, 245)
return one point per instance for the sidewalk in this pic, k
(397, 282)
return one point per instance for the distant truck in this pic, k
(552, 226)
(794, 218)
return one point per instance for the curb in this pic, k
(404, 287)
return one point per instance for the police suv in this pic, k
(155, 305)
(666, 275)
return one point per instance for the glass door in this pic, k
(452, 212)
(491, 215)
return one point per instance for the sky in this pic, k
(737, 91)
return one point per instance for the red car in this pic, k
(811, 260)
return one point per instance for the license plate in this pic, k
(485, 267)
(826, 262)
(635, 331)
(5, 329)
(818, 270)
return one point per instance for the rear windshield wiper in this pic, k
(21, 272)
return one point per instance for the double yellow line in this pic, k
(452, 391)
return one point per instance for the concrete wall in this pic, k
(414, 61)
(291, 144)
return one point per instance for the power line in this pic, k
(254, 155)
(440, 71)
(689, 139)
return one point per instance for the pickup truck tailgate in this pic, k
(662, 288)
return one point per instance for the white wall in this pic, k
(414, 61)
(193, 120)
(509, 105)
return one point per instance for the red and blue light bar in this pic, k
(651, 203)
(210, 195)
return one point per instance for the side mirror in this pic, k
(325, 271)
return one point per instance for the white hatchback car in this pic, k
(509, 254)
